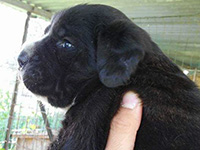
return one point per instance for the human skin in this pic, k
(125, 124)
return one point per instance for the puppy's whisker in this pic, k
(25, 79)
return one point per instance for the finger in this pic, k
(125, 124)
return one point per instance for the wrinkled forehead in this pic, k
(91, 14)
(71, 17)
(71, 23)
(83, 20)
(60, 24)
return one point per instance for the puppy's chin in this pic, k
(39, 89)
(55, 99)
(45, 101)
(58, 102)
(42, 88)
(47, 94)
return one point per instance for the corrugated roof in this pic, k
(132, 8)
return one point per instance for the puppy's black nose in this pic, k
(23, 59)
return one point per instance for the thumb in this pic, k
(125, 124)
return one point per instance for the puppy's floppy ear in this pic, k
(118, 53)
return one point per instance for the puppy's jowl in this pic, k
(90, 56)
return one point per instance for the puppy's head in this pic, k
(82, 44)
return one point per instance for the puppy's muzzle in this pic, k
(23, 59)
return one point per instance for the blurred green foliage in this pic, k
(4, 114)
(23, 122)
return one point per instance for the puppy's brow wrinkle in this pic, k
(61, 32)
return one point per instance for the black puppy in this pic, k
(88, 58)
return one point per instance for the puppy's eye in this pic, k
(65, 44)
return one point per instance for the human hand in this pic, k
(125, 124)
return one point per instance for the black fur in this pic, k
(110, 56)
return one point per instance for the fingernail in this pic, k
(130, 100)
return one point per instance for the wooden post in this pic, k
(195, 75)
(46, 122)
(14, 96)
